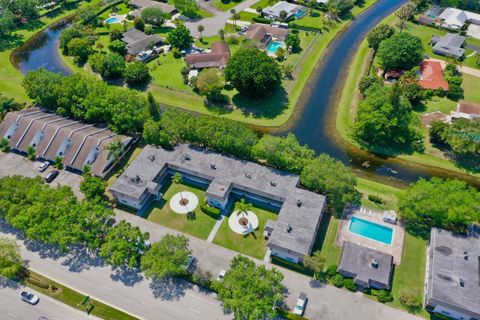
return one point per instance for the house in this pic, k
(143, 4)
(453, 274)
(455, 19)
(369, 268)
(431, 76)
(291, 10)
(466, 110)
(53, 136)
(264, 33)
(450, 45)
(291, 237)
(137, 41)
(216, 58)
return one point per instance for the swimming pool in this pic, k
(273, 46)
(299, 14)
(371, 230)
(112, 20)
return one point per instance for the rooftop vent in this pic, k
(247, 175)
(299, 203)
(213, 166)
(137, 178)
(186, 157)
(151, 158)
(375, 263)
(461, 282)
(273, 183)
(465, 255)
(289, 228)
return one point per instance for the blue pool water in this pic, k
(112, 20)
(273, 46)
(299, 14)
(371, 230)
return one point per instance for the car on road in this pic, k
(51, 176)
(43, 166)
(221, 275)
(29, 297)
(300, 306)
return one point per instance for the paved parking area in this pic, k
(13, 164)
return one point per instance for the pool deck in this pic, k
(395, 249)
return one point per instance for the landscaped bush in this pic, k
(350, 284)
(375, 199)
(337, 280)
(261, 20)
(293, 265)
(384, 296)
(211, 211)
(410, 300)
(38, 283)
(331, 270)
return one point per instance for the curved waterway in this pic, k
(313, 121)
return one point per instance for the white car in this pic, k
(43, 166)
(300, 306)
(221, 275)
(29, 297)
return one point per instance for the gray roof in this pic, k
(357, 261)
(277, 8)
(447, 265)
(137, 41)
(142, 4)
(449, 45)
(226, 173)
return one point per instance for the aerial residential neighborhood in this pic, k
(247, 159)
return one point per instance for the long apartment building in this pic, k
(78, 144)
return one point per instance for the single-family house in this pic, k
(137, 41)
(455, 19)
(431, 75)
(216, 58)
(450, 45)
(369, 268)
(290, 10)
(264, 33)
(52, 136)
(143, 4)
(453, 274)
(290, 237)
(466, 110)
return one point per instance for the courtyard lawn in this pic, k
(225, 5)
(197, 224)
(326, 237)
(121, 9)
(166, 72)
(247, 16)
(253, 244)
(264, 3)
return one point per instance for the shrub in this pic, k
(211, 211)
(437, 132)
(410, 301)
(139, 24)
(38, 283)
(331, 270)
(455, 92)
(136, 72)
(337, 280)
(384, 296)
(261, 20)
(375, 199)
(115, 34)
(176, 53)
(350, 284)
(4, 146)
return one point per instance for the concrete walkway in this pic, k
(214, 231)
(462, 69)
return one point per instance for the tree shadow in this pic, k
(169, 288)
(80, 259)
(268, 107)
(45, 251)
(468, 162)
(7, 283)
(127, 276)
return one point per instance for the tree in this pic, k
(251, 291)
(405, 13)
(221, 34)
(234, 17)
(31, 153)
(92, 187)
(447, 204)
(154, 16)
(242, 207)
(117, 46)
(115, 34)
(462, 137)
(210, 83)
(136, 73)
(80, 48)
(115, 149)
(339, 7)
(58, 163)
(315, 263)
(7, 22)
(166, 258)
(378, 34)
(124, 245)
(112, 65)
(292, 40)
(153, 134)
(188, 8)
(13, 12)
(253, 73)
(284, 153)
(180, 37)
(4, 145)
(75, 32)
(139, 24)
(283, 15)
(410, 300)
(177, 180)
(332, 178)
(6, 105)
(11, 264)
(437, 133)
(88, 15)
(400, 51)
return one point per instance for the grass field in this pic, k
(197, 224)
(225, 5)
(74, 299)
(253, 244)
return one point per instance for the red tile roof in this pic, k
(432, 76)
(217, 58)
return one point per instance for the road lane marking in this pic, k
(12, 315)
(194, 310)
(108, 288)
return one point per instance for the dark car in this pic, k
(51, 176)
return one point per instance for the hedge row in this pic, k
(211, 211)
(293, 25)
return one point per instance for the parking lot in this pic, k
(14, 164)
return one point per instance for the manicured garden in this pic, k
(253, 244)
(196, 223)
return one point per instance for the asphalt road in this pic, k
(11, 307)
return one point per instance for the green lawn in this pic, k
(122, 9)
(388, 193)
(263, 4)
(247, 16)
(326, 237)
(253, 244)
(197, 224)
(74, 299)
(225, 5)
(165, 72)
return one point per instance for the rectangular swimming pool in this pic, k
(371, 230)
(112, 20)
(273, 46)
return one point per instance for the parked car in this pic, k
(29, 297)
(300, 306)
(51, 176)
(221, 275)
(43, 166)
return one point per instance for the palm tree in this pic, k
(242, 207)
(115, 149)
(200, 29)
(234, 12)
(31, 153)
(177, 180)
